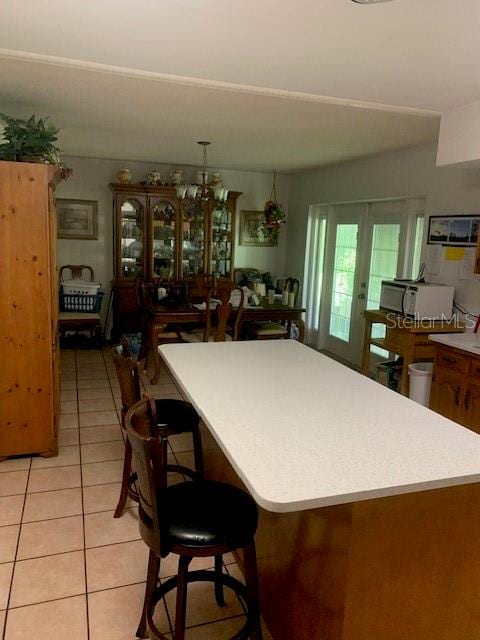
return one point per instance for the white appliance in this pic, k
(420, 300)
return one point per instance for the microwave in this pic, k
(420, 300)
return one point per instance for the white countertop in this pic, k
(303, 431)
(469, 342)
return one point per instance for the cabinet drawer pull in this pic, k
(477, 370)
(466, 402)
(449, 359)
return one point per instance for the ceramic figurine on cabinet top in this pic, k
(124, 176)
(154, 178)
(176, 176)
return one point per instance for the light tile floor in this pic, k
(67, 567)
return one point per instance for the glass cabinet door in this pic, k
(221, 254)
(132, 239)
(193, 238)
(163, 238)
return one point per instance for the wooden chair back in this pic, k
(292, 285)
(126, 368)
(199, 287)
(149, 462)
(217, 319)
(77, 272)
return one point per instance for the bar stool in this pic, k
(177, 415)
(200, 518)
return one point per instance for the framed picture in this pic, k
(76, 219)
(251, 233)
(459, 231)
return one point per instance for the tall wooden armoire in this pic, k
(29, 392)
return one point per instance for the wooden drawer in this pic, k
(452, 360)
(474, 370)
(397, 340)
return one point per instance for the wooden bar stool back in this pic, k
(201, 518)
(177, 417)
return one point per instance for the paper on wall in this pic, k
(434, 256)
(454, 253)
(467, 265)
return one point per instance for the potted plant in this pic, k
(274, 217)
(31, 140)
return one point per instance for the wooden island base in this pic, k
(399, 568)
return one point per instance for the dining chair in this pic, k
(177, 415)
(224, 303)
(198, 286)
(151, 333)
(79, 313)
(201, 518)
(274, 330)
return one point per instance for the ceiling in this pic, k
(274, 85)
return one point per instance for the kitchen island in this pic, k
(369, 524)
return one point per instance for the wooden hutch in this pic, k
(159, 236)
(29, 396)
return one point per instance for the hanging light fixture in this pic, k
(203, 191)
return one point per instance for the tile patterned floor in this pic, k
(67, 567)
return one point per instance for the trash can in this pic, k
(420, 381)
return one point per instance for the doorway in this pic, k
(363, 244)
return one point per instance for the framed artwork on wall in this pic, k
(76, 219)
(459, 231)
(251, 231)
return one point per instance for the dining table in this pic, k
(369, 518)
(185, 314)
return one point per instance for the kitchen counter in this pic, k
(469, 342)
(369, 524)
(275, 407)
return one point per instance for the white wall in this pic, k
(459, 136)
(90, 181)
(410, 172)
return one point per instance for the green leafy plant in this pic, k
(275, 216)
(29, 140)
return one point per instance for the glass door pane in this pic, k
(343, 281)
(193, 238)
(163, 239)
(383, 266)
(132, 242)
(221, 242)
(383, 260)
(417, 249)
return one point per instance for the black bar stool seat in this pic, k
(200, 518)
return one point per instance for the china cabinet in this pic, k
(29, 396)
(157, 235)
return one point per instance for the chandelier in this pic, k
(205, 190)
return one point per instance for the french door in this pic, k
(365, 244)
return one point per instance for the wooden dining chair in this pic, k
(153, 336)
(179, 416)
(202, 518)
(223, 314)
(78, 313)
(198, 287)
(275, 330)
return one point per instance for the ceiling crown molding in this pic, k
(96, 67)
